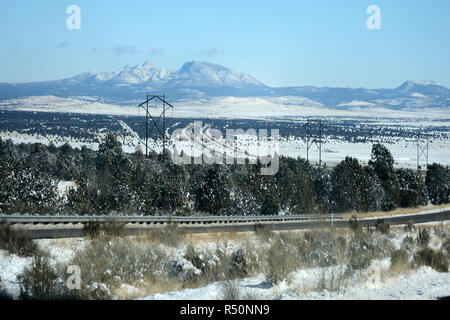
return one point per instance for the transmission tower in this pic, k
(422, 150)
(162, 117)
(314, 139)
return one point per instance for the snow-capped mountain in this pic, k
(204, 74)
(191, 74)
(423, 87)
(204, 80)
(139, 74)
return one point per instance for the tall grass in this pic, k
(16, 241)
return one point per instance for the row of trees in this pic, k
(109, 180)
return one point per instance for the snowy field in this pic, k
(225, 107)
(375, 282)
(334, 149)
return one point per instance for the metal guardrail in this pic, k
(47, 219)
(199, 224)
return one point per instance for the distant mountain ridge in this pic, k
(203, 80)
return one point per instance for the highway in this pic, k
(72, 226)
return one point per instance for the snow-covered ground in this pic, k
(11, 265)
(375, 282)
(334, 149)
(225, 107)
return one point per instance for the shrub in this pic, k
(279, 262)
(113, 228)
(170, 234)
(194, 257)
(230, 290)
(365, 247)
(333, 278)
(408, 243)
(355, 224)
(435, 259)
(106, 264)
(320, 249)
(201, 268)
(16, 241)
(238, 267)
(243, 262)
(382, 226)
(446, 245)
(109, 228)
(409, 227)
(3, 294)
(40, 281)
(360, 257)
(424, 237)
(264, 230)
(440, 232)
(92, 228)
(399, 260)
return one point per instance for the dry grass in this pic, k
(196, 238)
(169, 234)
(16, 241)
(163, 285)
(230, 290)
(399, 211)
(400, 261)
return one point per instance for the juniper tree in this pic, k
(349, 186)
(304, 196)
(375, 190)
(382, 163)
(438, 183)
(270, 205)
(246, 196)
(212, 187)
(323, 189)
(412, 189)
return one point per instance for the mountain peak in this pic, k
(213, 75)
(148, 64)
(407, 85)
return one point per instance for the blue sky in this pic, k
(281, 43)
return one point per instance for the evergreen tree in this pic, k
(270, 205)
(212, 188)
(438, 183)
(172, 187)
(304, 197)
(285, 179)
(375, 190)
(324, 189)
(412, 189)
(349, 186)
(382, 163)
